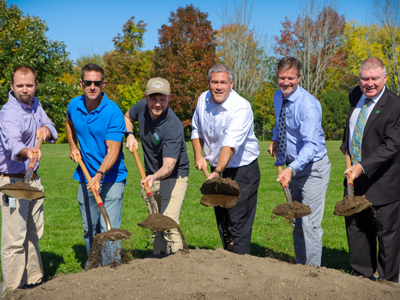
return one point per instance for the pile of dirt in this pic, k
(101, 250)
(19, 185)
(217, 185)
(350, 205)
(210, 274)
(292, 210)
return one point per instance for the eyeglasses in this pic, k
(89, 82)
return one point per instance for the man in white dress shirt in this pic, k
(223, 125)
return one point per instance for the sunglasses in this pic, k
(89, 82)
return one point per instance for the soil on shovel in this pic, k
(99, 248)
(292, 210)
(348, 203)
(217, 185)
(19, 185)
(159, 222)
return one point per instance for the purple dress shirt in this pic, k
(18, 125)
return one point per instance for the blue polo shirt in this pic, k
(105, 123)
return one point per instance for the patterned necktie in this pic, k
(281, 157)
(359, 131)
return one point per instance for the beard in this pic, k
(25, 98)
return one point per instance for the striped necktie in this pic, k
(356, 140)
(282, 138)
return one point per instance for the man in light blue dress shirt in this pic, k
(308, 166)
(223, 125)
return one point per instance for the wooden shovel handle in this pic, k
(284, 183)
(35, 155)
(204, 169)
(89, 180)
(348, 165)
(141, 170)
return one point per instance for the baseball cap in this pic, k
(158, 85)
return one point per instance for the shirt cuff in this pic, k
(54, 134)
(196, 135)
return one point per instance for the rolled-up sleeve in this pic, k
(49, 124)
(196, 125)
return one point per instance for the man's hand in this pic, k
(355, 170)
(212, 175)
(273, 148)
(96, 180)
(45, 131)
(285, 175)
(343, 148)
(149, 179)
(30, 151)
(131, 142)
(200, 160)
(73, 154)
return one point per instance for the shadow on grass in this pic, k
(260, 251)
(336, 259)
(51, 262)
(80, 254)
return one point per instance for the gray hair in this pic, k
(372, 63)
(288, 63)
(220, 68)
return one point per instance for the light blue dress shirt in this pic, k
(305, 137)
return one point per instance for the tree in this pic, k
(240, 49)
(127, 67)
(186, 53)
(23, 41)
(315, 40)
(387, 13)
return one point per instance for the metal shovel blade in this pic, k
(20, 194)
(226, 201)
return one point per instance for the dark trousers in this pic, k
(235, 224)
(382, 222)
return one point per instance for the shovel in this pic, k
(218, 191)
(156, 221)
(23, 190)
(351, 204)
(96, 194)
(291, 209)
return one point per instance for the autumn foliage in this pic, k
(186, 53)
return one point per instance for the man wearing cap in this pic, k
(97, 124)
(165, 157)
(22, 119)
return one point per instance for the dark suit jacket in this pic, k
(380, 149)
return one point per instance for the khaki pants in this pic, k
(21, 229)
(169, 195)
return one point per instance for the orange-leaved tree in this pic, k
(186, 53)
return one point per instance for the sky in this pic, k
(87, 27)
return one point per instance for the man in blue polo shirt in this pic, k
(165, 157)
(97, 124)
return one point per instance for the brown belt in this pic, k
(19, 175)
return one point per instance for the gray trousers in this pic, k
(309, 187)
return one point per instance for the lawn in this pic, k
(62, 245)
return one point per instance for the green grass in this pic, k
(62, 245)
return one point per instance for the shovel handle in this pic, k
(35, 155)
(95, 193)
(284, 184)
(348, 165)
(146, 186)
(204, 169)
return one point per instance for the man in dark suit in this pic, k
(372, 137)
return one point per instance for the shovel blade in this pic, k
(352, 210)
(20, 194)
(225, 201)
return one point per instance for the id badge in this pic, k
(12, 202)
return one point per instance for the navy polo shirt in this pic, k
(162, 137)
(106, 122)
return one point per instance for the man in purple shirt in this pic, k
(22, 120)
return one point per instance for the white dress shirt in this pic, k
(356, 112)
(227, 124)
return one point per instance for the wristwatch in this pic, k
(128, 133)
(291, 169)
(218, 172)
(101, 173)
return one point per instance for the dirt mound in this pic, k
(217, 185)
(210, 274)
(292, 210)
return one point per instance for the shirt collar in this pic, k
(160, 119)
(294, 96)
(13, 100)
(102, 104)
(226, 104)
(376, 98)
